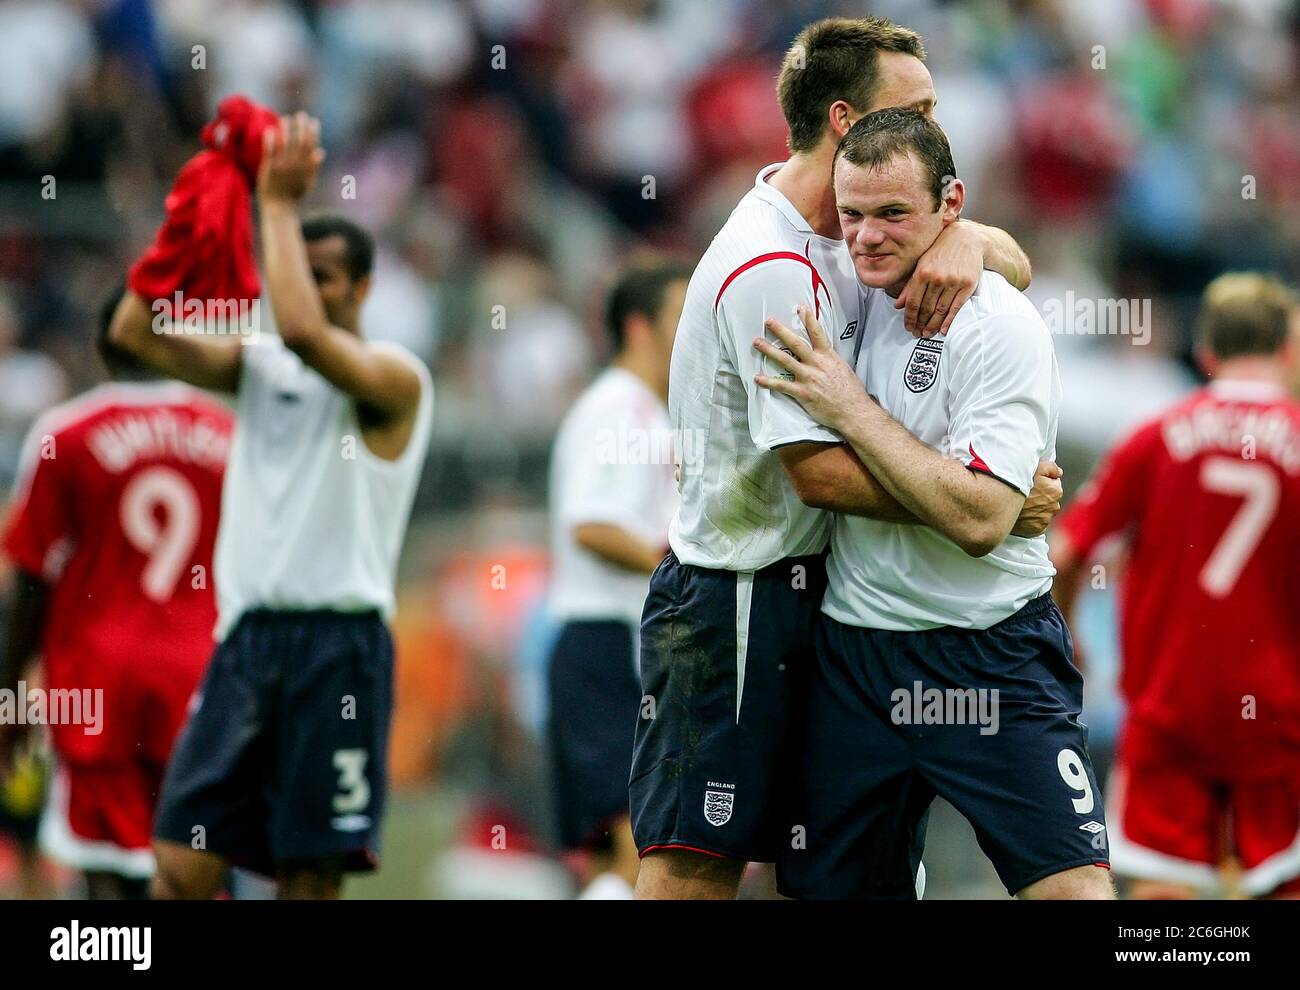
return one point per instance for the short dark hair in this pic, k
(359, 246)
(1244, 313)
(881, 136)
(641, 289)
(120, 363)
(836, 59)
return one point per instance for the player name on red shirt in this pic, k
(1249, 431)
(119, 443)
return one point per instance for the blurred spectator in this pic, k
(261, 48)
(530, 354)
(46, 48)
(30, 383)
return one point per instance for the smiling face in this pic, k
(889, 217)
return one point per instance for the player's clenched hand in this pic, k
(291, 156)
(1043, 503)
(944, 278)
(818, 378)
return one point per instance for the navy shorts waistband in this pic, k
(266, 616)
(778, 568)
(1032, 609)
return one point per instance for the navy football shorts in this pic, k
(284, 758)
(593, 694)
(987, 719)
(725, 657)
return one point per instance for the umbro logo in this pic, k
(1092, 827)
(350, 823)
(288, 396)
(849, 331)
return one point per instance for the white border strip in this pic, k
(1132, 860)
(744, 602)
(59, 841)
(1273, 872)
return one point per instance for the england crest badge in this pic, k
(717, 806)
(923, 366)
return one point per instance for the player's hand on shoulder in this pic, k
(945, 277)
(291, 157)
(818, 378)
(1043, 503)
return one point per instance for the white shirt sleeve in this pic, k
(1002, 382)
(773, 289)
(254, 359)
(597, 481)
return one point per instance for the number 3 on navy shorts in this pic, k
(353, 789)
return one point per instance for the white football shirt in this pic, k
(310, 517)
(739, 511)
(612, 463)
(987, 393)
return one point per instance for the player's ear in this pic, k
(1289, 352)
(637, 330)
(840, 117)
(1206, 361)
(361, 289)
(954, 198)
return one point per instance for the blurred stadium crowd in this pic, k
(508, 153)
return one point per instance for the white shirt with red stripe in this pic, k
(738, 510)
(987, 393)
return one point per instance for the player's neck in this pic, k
(805, 181)
(644, 369)
(1253, 368)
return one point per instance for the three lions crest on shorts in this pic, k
(923, 366)
(717, 806)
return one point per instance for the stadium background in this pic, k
(508, 154)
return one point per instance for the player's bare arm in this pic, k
(1001, 253)
(379, 379)
(975, 511)
(20, 646)
(618, 546)
(832, 476)
(205, 362)
(948, 273)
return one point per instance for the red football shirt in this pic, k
(1209, 494)
(116, 507)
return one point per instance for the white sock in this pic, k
(607, 887)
